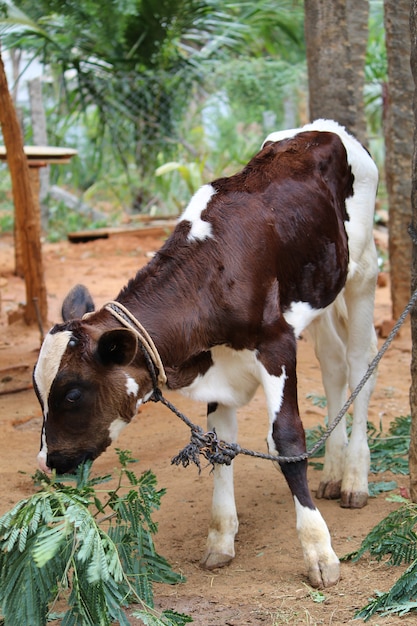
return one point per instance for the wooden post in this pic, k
(413, 389)
(40, 138)
(26, 217)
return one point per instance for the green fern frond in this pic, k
(174, 618)
(389, 452)
(393, 536)
(52, 544)
(167, 618)
(49, 540)
(400, 599)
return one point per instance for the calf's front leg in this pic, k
(322, 564)
(220, 549)
(286, 438)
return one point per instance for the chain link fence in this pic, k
(145, 142)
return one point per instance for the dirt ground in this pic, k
(266, 584)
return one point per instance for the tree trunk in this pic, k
(413, 390)
(336, 38)
(26, 217)
(40, 138)
(398, 131)
(15, 58)
(357, 15)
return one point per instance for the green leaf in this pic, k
(53, 547)
(400, 599)
(167, 168)
(167, 618)
(176, 619)
(49, 540)
(375, 488)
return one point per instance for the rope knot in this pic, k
(210, 446)
(156, 395)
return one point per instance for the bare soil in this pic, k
(266, 584)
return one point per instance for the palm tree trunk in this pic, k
(336, 37)
(413, 389)
(398, 131)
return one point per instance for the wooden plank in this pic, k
(14, 379)
(43, 155)
(82, 236)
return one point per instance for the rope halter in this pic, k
(127, 319)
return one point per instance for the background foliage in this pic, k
(136, 84)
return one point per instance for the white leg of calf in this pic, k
(354, 490)
(224, 524)
(334, 463)
(327, 333)
(362, 347)
(220, 547)
(322, 564)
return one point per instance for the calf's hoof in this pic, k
(330, 490)
(212, 560)
(354, 499)
(324, 576)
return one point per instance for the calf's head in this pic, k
(89, 382)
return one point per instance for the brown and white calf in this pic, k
(255, 258)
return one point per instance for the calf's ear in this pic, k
(117, 346)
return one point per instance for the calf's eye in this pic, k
(73, 396)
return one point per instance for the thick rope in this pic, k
(126, 318)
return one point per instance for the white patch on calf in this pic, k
(200, 229)
(116, 428)
(274, 392)
(299, 315)
(42, 456)
(320, 559)
(50, 356)
(132, 389)
(132, 386)
(231, 380)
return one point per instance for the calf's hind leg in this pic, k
(361, 349)
(329, 335)
(223, 526)
(345, 344)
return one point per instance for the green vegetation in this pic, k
(389, 451)
(62, 221)
(130, 85)
(136, 86)
(394, 537)
(6, 204)
(87, 548)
